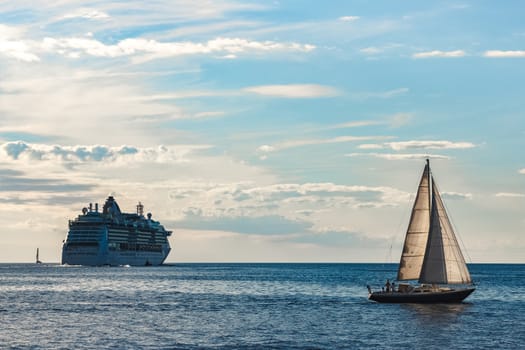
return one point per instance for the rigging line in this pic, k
(451, 220)
(395, 235)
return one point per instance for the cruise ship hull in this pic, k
(95, 256)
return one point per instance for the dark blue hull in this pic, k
(449, 296)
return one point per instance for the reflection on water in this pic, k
(437, 309)
(436, 313)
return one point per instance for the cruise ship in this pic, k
(111, 237)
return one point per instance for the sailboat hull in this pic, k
(448, 296)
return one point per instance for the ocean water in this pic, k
(248, 306)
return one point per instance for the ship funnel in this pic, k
(140, 209)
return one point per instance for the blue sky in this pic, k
(263, 131)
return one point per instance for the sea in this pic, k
(249, 306)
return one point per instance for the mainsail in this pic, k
(417, 232)
(443, 263)
(431, 252)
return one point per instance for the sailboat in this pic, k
(431, 254)
(37, 258)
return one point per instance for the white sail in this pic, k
(417, 232)
(443, 263)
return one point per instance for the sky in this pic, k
(263, 131)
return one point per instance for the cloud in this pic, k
(398, 156)
(18, 50)
(12, 46)
(370, 146)
(289, 200)
(264, 225)
(510, 195)
(289, 207)
(354, 124)
(399, 119)
(521, 171)
(404, 145)
(156, 49)
(266, 149)
(437, 53)
(456, 195)
(27, 184)
(383, 94)
(504, 54)
(371, 50)
(349, 18)
(147, 48)
(375, 50)
(208, 114)
(294, 90)
(337, 239)
(309, 142)
(87, 14)
(22, 151)
(9, 32)
(398, 146)
(60, 101)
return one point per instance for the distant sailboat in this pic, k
(431, 254)
(37, 257)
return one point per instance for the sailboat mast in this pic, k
(430, 194)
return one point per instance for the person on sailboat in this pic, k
(387, 286)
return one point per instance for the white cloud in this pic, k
(456, 195)
(510, 195)
(375, 50)
(522, 171)
(309, 142)
(437, 53)
(186, 95)
(398, 146)
(354, 124)
(370, 146)
(288, 200)
(382, 94)
(12, 46)
(21, 151)
(397, 156)
(294, 90)
(399, 119)
(9, 32)
(404, 145)
(18, 50)
(349, 18)
(209, 114)
(266, 148)
(371, 50)
(58, 102)
(87, 14)
(504, 54)
(156, 49)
